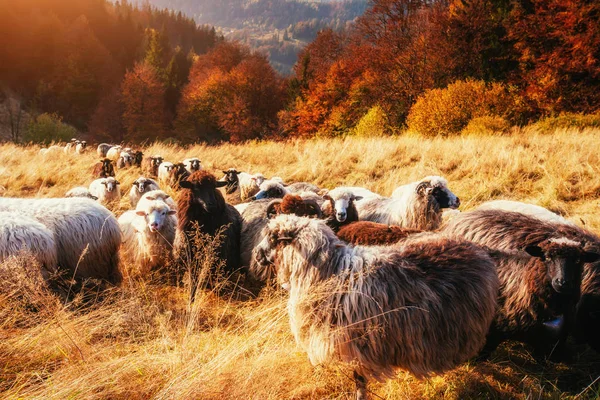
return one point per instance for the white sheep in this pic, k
(125, 160)
(192, 164)
(148, 235)
(241, 186)
(107, 190)
(80, 191)
(114, 152)
(53, 150)
(417, 205)
(525, 208)
(70, 147)
(86, 234)
(164, 170)
(19, 233)
(141, 186)
(80, 147)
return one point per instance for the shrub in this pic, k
(448, 111)
(46, 128)
(373, 123)
(487, 125)
(567, 120)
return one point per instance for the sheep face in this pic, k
(157, 160)
(156, 216)
(341, 204)
(141, 184)
(564, 261)
(192, 164)
(203, 191)
(437, 188)
(232, 180)
(110, 184)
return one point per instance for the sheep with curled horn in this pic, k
(256, 215)
(424, 306)
(540, 265)
(417, 205)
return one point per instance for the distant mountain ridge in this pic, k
(279, 27)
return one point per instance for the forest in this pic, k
(126, 73)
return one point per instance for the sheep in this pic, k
(157, 195)
(540, 268)
(340, 208)
(19, 233)
(125, 160)
(177, 174)
(148, 236)
(138, 157)
(70, 147)
(163, 171)
(192, 164)
(103, 169)
(52, 150)
(150, 165)
(139, 187)
(80, 191)
(418, 205)
(201, 204)
(241, 186)
(114, 152)
(424, 306)
(524, 208)
(80, 147)
(300, 187)
(86, 234)
(103, 149)
(368, 233)
(270, 190)
(107, 190)
(257, 213)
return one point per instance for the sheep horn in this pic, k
(272, 208)
(316, 206)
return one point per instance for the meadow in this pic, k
(145, 340)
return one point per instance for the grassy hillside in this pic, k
(145, 341)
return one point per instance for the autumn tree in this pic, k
(143, 97)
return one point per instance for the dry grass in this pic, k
(144, 340)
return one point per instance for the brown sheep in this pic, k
(201, 203)
(150, 165)
(368, 233)
(104, 169)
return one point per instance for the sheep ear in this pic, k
(172, 212)
(152, 198)
(357, 198)
(535, 251)
(140, 213)
(186, 184)
(589, 257)
(220, 184)
(225, 172)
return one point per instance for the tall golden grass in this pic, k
(145, 340)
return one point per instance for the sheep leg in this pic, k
(361, 386)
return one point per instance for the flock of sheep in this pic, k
(383, 283)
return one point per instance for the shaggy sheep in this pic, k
(103, 149)
(270, 190)
(201, 204)
(139, 187)
(257, 213)
(164, 169)
(148, 236)
(80, 147)
(540, 270)
(103, 169)
(80, 191)
(19, 233)
(138, 157)
(340, 208)
(368, 233)
(177, 174)
(125, 160)
(107, 190)
(192, 164)
(524, 208)
(150, 165)
(418, 205)
(114, 152)
(86, 234)
(424, 306)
